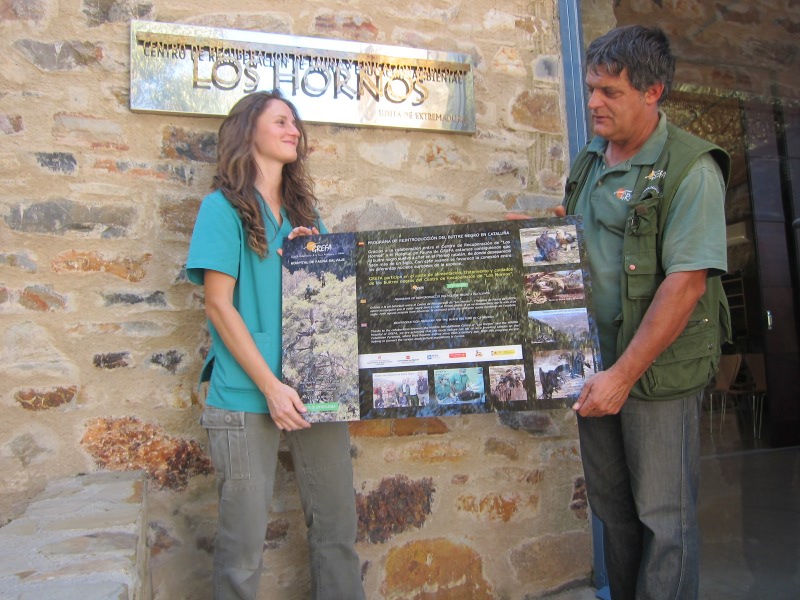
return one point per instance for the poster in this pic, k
(434, 321)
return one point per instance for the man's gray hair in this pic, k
(643, 51)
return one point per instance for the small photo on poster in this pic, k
(568, 327)
(400, 389)
(551, 287)
(561, 373)
(459, 386)
(507, 383)
(549, 245)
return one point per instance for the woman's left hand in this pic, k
(298, 232)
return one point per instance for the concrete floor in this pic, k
(749, 512)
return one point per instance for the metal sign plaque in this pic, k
(193, 70)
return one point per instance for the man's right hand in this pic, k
(603, 394)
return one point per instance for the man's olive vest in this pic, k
(690, 362)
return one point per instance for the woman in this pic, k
(263, 195)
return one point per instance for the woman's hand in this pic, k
(298, 232)
(285, 406)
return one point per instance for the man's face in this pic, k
(619, 111)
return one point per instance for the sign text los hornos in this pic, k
(199, 70)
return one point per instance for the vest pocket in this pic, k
(640, 255)
(643, 275)
(686, 366)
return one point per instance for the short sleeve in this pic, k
(694, 232)
(216, 240)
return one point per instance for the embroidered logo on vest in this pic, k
(624, 195)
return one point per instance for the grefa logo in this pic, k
(315, 247)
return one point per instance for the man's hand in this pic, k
(603, 394)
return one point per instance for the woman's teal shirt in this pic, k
(220, 244)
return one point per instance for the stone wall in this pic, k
(748, 47)
(102, 336)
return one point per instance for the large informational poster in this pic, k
(432, 321)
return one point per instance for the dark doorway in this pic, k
(763, 199)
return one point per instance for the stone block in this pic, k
(535, 25)
(371, 428)
(57, 162)
(100, 12)
(10, 124)
(439, 155)
(372, 215)
(435, 568)
(22, 10)
(191, 146)
(62, 217)
(160, 172)
(43, 399)
(178, 215)
(260, 20)
(579, 504)
(170, 361)
(537, 110)
(502, 448)
(550, 560)
(60, 56)
(128, 444)
(389, 155)
(507, 60)
(494, 506)
(743, 15)
(112, 360)
(28, 350)
(277, 533)
(141, 329)
(82, 537)
(346, 25)
(535, 423)
(422, 426)
(26, 449)
(397, 505)
(495, 20)
(42, 298)
(19, 260)
(127, 268)
(157, 298)
(428, 452)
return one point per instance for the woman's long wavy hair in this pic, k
(236, 170)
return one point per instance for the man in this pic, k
(652, 202)
(459, 381)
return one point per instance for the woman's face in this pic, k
(276, 135)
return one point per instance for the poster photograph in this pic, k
(434, 321)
